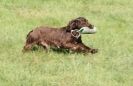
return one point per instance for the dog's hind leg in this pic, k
(45, 45)
(27, 47)
(30, 42)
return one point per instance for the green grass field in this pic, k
(111, 66)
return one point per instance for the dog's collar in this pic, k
(75, 36)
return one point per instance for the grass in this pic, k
(112, 66)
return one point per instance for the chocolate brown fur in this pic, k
(59, 37)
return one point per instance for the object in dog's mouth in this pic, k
(86, 30)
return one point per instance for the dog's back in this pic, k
(47, 36)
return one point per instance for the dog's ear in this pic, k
(72, 25)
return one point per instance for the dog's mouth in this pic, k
(87, 30)
(84, 30)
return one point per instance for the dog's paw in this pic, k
(93, 51)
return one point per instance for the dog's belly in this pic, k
(57, 41)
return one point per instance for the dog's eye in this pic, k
(91, 26)
(83, 23)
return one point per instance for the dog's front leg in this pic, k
(81, 48)
(87, 49)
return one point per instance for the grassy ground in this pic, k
(112, 66)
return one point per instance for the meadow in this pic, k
(111, 66)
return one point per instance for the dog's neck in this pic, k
(64, 28)
(78, 39)
(67, 29)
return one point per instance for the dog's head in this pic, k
(80, 22)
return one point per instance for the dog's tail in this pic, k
(29, 34)
(28, 41)
(29, 38)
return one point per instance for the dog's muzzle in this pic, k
(83, 30)
(87, 30)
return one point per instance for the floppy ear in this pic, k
(72, 25)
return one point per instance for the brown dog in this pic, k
(64, 37)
